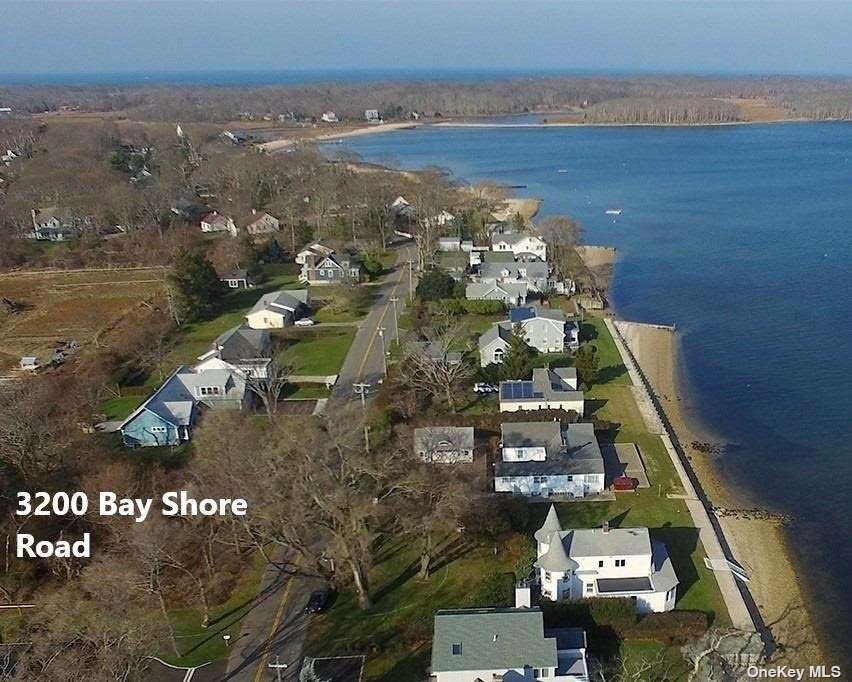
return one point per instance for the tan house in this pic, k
(216, 222)
(259, 222)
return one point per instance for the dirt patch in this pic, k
(758, 109)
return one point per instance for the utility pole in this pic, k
(278, 667)
(361, 389)
(394, 300)
(410, 279)
(382, 331)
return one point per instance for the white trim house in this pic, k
(550, 389)
(278, 309)
(604, 562)
(549, 458)
(522, 245)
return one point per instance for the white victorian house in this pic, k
(604, 562)
(549, 458)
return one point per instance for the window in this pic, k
(159, 429)
(547, 577)
(600, 563)
(620, 563)
(209, 390)
(498, 355)
(590, 588)
(457, 649)
(570, 478)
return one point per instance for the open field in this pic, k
(59, 305)
(317, 351)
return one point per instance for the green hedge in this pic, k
(673, 627)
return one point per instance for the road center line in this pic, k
(265, 657)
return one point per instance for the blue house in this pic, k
(169, 415)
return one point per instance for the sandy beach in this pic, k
(758, 541)
(284, 143)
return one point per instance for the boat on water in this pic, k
(562, 170)
(613, 211)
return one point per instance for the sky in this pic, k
(162, 36)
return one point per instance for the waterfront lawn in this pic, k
(317, 351)
(199, 645)
(611, 369)
(396, 634)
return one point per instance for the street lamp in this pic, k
(227, 639)
(382, 331)
(394, 300)
(278, 667)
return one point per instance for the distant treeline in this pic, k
(663, 110)
(605, 99)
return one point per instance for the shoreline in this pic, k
(759, 542)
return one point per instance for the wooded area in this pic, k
(683, 97)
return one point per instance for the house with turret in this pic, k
(604, 562)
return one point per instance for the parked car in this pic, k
(318, 601)
(482, 387)
(304, 322)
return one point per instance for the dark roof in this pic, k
(241, 343)
(612, 585)
(567, 638)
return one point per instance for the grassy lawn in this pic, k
(318, 351)
(120, 408)
(325, 314)
(611, 369)
(636, 651)
(399, 627)
(305, 392)
(199, 645)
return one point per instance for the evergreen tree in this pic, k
(194, 287)
(435, 285)
(518, 359)
(587, 362)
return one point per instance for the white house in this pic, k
(329, 117)
(505, 645)
(549, 458)
(604, 562)
(444, 444)
(549, 389)
(316, 249)
(278, 309)
(372, 116)
(216, 222)
(523, 245)
(240, 349)
(535, 274)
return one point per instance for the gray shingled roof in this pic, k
(551, 524)
(491, 335)
(571, 449)
(443, 438)
(534, 270)
(556, 558)
(491, 639)
(241, 343)
(614, 542)
(290, 299)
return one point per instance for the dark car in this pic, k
(318, 601)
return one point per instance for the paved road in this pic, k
(276, 626)
(364, 361)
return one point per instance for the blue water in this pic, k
(742, 235)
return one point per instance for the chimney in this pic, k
(254, 211)
(523, 596)
(606, 527)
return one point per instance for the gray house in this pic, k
(330, 269)
(169, 415)
(511, 293)
(545, 329)
(54, 224)
(533, 274)
(444, 444)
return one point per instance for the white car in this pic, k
(484, 388)
(304, 322)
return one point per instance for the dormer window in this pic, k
(206, 391)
